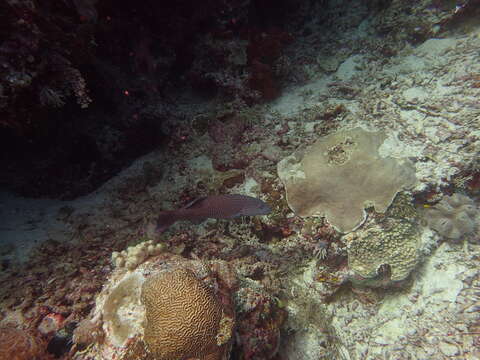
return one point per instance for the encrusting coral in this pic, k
(453, 217)
(183, 317)
(396, 246)
(340, 175)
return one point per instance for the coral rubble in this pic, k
(260, 321)
(17, 344)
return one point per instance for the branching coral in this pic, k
(453, 217)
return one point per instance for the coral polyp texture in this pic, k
(135, 255)
(17, 344)
(341, 174)
(453, 217)
(396, 246)
(183, 317)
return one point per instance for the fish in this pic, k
(228, 206)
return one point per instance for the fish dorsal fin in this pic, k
(194, 203)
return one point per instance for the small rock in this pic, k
(51, 323)
(272, 153)
(448, 349)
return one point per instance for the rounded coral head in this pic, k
(182, 317)
(453, 217)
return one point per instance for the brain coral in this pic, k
(183, 317)
(396, 246)
(16, 344)
(340, 175)
(453, 217)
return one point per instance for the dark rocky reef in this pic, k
(86, 86)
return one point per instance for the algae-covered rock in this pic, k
(340, 175)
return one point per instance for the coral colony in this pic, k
(330, 172)
(248, 180)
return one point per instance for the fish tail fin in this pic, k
(165, 220)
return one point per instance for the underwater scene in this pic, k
(239, 180)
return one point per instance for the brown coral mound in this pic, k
(183, 317)
(16, 344)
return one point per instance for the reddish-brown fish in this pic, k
(216, 207)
